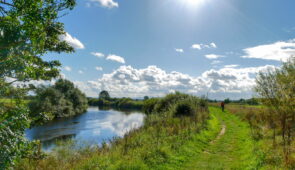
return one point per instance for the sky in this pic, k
(134, 48)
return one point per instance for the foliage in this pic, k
(60, 100)
(104, 95)
(28, 30)
(185, 108)
(105, 100)
(227, 101)
(145, 97)
(149, 105)
(276, 89)
(169, 100)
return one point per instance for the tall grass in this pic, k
(266, 133)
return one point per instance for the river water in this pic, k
(91, 128)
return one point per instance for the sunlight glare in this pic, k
(193, 3)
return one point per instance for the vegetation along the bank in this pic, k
(105, 100)
(62, 99)
(179, 133)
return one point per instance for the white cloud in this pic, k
(201, 46)
(127, 81)
(98, 68)
(213, 45)
(213, 56)
(231, 66)
(107, 3)
(68, 68)
(74, 42)
(98, 55)
(279, 51)
(116, 58)
(179, 50)
(197, 46)
(80, 72)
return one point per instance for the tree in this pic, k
(61, 100)
(227, 101)
(28, 30)
(277, 92)
(145, 97)
(104, 95)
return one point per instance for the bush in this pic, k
(149, 105)
(184, 108)
(165, 103)
(60, 100)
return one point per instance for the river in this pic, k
(91, 128)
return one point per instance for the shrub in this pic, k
(60, 100)
(165, 103)
(149, 105)
(184, 108)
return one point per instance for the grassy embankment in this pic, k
(166, 142)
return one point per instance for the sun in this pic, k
(193, 3)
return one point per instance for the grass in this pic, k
(233, 150)
(171, 144)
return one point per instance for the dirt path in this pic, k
(233, 148)
(221, 133)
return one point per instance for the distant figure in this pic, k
(222, 106)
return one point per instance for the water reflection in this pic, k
(93, 127)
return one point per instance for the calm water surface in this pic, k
(91, 128)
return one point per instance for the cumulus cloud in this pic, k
(68, 68)
(179, 50)
(213, 45)
(279, 51)
(201, 46)
(116, 58)
(74, 42)
(213, 56)
(98, 68)
(98, 54)
(153, 81)
(197, 46)
(106, 3)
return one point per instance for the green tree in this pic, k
(227, 101)
(277, 92)
(28, 30)
(61, 100)
(104, 95)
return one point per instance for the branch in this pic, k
(6, 3)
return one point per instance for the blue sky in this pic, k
(194, 46)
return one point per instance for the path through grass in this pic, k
(235, 149)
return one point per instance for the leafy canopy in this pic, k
(28, 30)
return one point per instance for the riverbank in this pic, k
(167, 145)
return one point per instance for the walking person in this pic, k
(222, 106)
